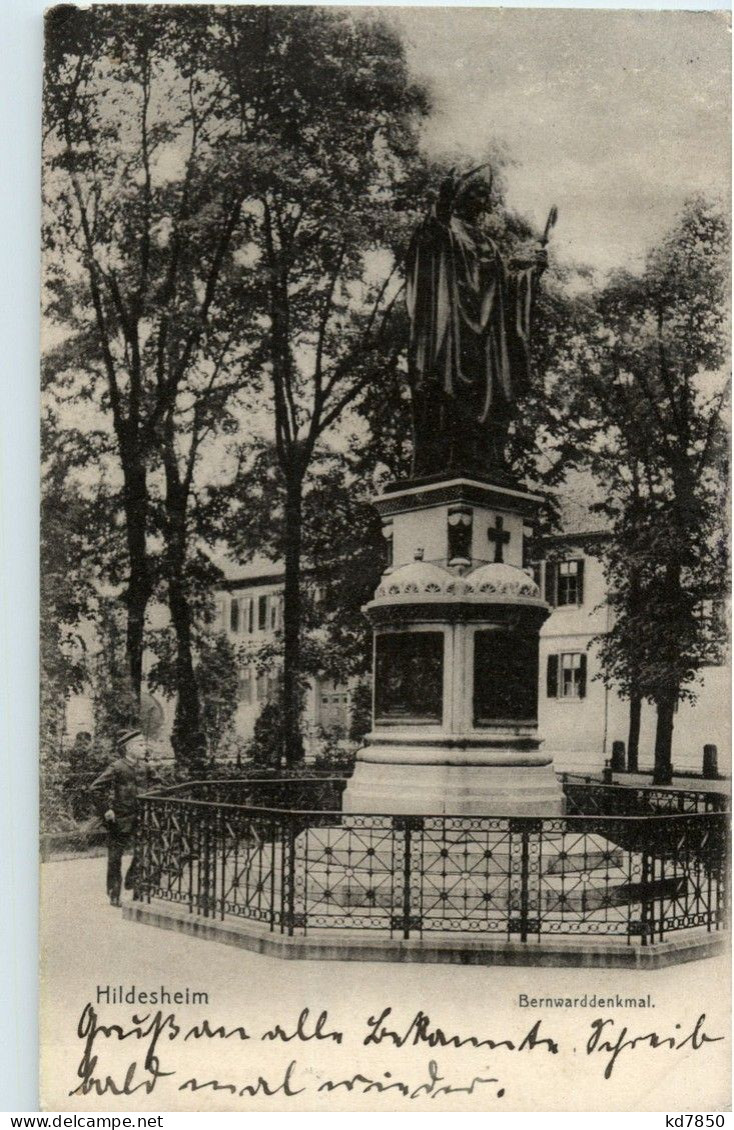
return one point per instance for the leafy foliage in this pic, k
(649, 399)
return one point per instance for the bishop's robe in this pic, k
(470, 317)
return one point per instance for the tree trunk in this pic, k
(292, 740)
(187, 737)
(139, 581)
(663, 771)
(667, 697)
(633, 737)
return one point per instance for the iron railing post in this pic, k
(206, 863)
(141, 852)
(290, 877)
(222, 837)
(648, 929)
(273, 857)
(524, 877)
(406, 879)
(523, 923)
(406, 920)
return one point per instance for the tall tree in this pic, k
(652, 388)
(144, 198)
(337, 118)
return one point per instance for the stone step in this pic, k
(320, 850)
(579, 899)
(580, 875)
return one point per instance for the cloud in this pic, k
(616, 116)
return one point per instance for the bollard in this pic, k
(606, 774)
(618, 760)
(710, 762)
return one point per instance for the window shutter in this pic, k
(582, 675)
(580, 582)
(551, 688)
(551, 582)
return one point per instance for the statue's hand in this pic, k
(534, 259)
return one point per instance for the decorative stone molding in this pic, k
(428, 581)
(399, 499)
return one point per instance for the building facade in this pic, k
(579, 717)
(250, 612)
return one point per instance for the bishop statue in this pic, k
(470, 310)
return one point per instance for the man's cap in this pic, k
(126, 735)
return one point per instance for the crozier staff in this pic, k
(117, 788)
(470, 315)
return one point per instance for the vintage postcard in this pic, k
(385, 748)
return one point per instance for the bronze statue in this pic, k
(470, 315)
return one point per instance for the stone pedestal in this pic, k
(456, 622)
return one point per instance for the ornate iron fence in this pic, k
(587, 797)
(634, 877)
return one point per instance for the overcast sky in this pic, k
(614, 116)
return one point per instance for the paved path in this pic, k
(644, 780)
(86, 944)
(697, 784)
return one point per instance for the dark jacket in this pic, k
(117, 788)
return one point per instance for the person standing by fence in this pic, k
(117, 789)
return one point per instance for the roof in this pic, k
(260, 570)
(575, 499)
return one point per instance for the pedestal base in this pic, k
(435, 780)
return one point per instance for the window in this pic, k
(250, 616)
(244, 686)
(273, 613)
(262, 613)
(564, 582)
(566, 675)
(710, 615)
(267, 687)
(234, 615)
